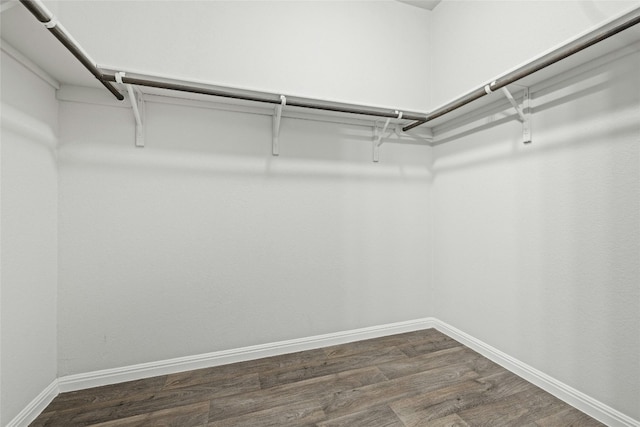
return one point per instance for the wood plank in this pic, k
(44, 419)
(425, 407)
(420, 409)
(317, 389)
(434, 342)
(361, 398)
(217, 373)
(73, 399)
(516, 410)
(219, 385)
(452, 420)
(377, 343)
(179, 416)
(425, 334)
(381, 416)
(129, 406)
(438, 359)
(294, 414)
(569, 417)
(322, 367)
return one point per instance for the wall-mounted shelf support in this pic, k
(379, 136)
(377, 140)
(513, 103)
(277, 116)
(524, 112)
(138, 106)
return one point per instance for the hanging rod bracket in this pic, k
(524, 112)
(379, 136)
(488, 88)
(277, 117)
(138, 105)
(51, 23)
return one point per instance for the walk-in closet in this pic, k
(320, 213)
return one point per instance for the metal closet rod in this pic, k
(44, 16)
(612, 28)
(266, 98)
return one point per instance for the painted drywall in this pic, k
(363, 52)
(29, 238)
(202, 241)
(537, 247)
(476, 41)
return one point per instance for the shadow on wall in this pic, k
(620, 80)
(204, 141)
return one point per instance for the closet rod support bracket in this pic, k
(140, 126)
(277, 116)
(379, 135)
(138, 106)
(526, 125)
(524, 112)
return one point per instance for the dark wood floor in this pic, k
(416, 379)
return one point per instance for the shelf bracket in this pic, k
(524, 112)
(138, 106)
(277, 116)
(379, 135)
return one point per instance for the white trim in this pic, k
(570, 395)
(36, 406)
(28, 64)
(188, 363)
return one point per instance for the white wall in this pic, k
(475, 41)
(537, 247)
(29, 238)
(203, 241)
(364, 52)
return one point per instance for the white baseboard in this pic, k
(35, 408)
(573, 397)
(188, 363)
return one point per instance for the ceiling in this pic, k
(422, 4)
